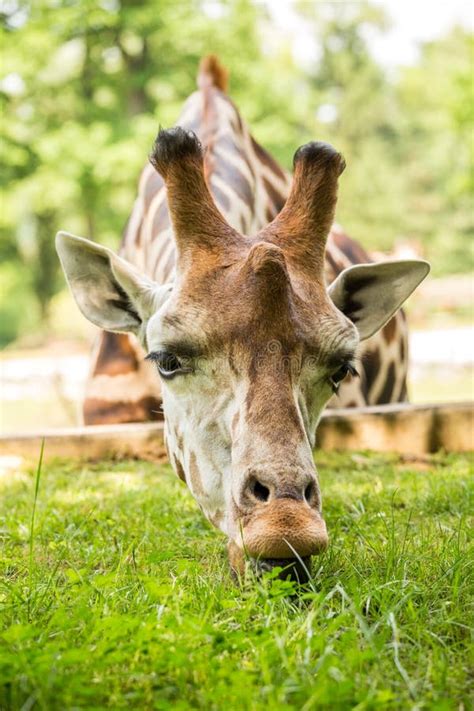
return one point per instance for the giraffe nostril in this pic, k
(261, 492)
(309, 491)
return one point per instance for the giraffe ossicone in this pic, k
(248, 341)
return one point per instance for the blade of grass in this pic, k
(396, 655)
(32, 524)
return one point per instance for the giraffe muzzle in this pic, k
(284, 529)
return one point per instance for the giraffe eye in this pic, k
(337, 377)
(169, 364)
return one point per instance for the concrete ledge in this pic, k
(140, 440)
(404, 428)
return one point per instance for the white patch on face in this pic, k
(197, 409)
(314, 389)
(312, 392)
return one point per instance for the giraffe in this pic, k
(248, 339)
(250, 189)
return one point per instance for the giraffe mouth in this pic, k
(295, 569)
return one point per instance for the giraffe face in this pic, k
(249, 352)
(248, 342)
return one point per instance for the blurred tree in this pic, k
(355, 109)
(85, 84)
(436, 150)
(407, 139)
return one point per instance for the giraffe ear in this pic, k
(370, 294)
(109, 291)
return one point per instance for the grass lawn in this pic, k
(123, 599)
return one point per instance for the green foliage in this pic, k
(126, 598)
(407, 140)
(437, 140)
(86, 84)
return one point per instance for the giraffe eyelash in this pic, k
(169, 365)
(343, 371)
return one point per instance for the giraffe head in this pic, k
(248, 342)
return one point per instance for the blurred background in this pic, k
(85, 83)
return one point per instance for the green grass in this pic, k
(116, 594)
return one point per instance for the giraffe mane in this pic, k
(212, 73)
